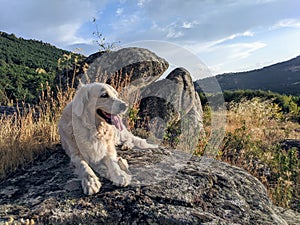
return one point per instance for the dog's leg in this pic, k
(130, 141)
(116, 174)
(89, 181)
(141, 143)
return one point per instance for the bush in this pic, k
(255, 127)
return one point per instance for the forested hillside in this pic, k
(24, 66)
(283, 78)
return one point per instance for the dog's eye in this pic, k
(104, 95)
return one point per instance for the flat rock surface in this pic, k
(169, 187)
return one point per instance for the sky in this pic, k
(226, 35)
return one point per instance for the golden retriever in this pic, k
(90, 128)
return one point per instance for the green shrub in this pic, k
(255, 127)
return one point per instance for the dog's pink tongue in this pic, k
(117, 122)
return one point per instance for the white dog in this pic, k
(90, 128)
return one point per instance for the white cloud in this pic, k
(141, 3)
(211, 46)
(219, 57)
(248, 34)
(290, 23)
(174, 34)
(67, 34)
(229, 51)
(54, 21)
(232, 37)
(243, 50)
(119, 11)
(126, 23)
(170, 31)
(264, 1)
(189, 25)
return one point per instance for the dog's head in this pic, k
(100, 99)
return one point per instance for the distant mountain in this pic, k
(283, 78)
(24, 66)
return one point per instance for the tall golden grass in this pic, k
(264, 120)
(254, 131)
(32, 130)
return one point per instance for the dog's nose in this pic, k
(123, 106)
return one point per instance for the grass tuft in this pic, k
(32, 130)
(254, 131)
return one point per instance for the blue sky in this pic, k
(226, 35)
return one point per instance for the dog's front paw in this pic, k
(90, 185)
(121, 179)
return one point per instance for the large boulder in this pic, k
(200, 191)
(141, 65)
(173, 108)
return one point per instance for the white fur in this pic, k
(90, 141)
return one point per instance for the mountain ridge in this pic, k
(282, 77)
(24, 66)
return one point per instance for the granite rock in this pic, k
(196, 191)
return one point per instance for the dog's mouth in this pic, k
(111, 119)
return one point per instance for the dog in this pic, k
(90, 128)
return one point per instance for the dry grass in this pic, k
(264, 120)
(253, 133)
(31, 130)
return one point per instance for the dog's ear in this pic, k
(79, 100)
